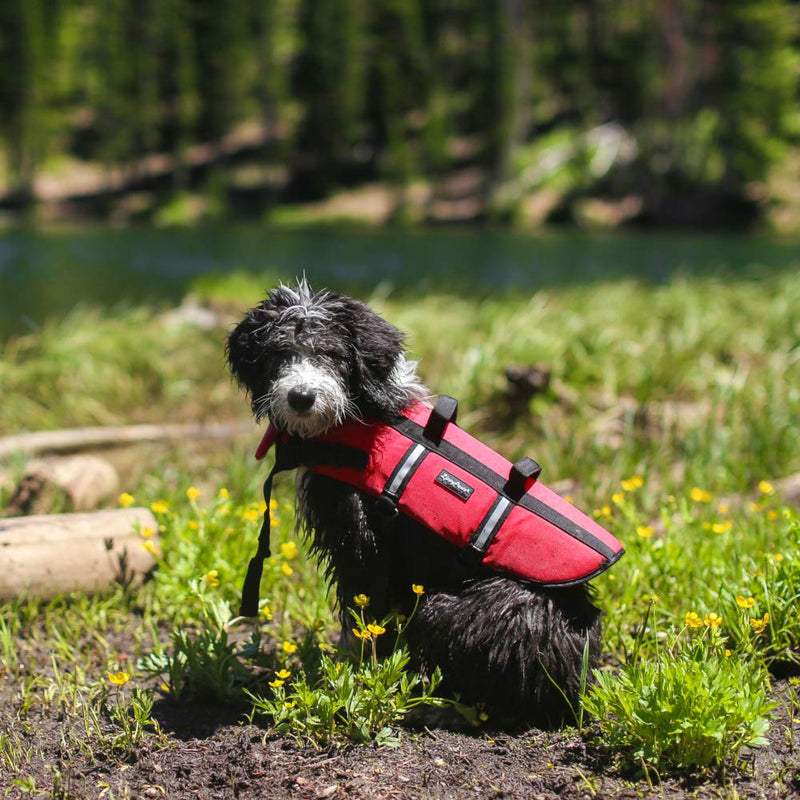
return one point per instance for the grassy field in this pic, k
(671, 413)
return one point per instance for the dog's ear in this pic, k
(245, 347)
(248, 344)
(378, 347)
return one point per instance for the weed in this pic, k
(696, 705)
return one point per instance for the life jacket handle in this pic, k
(443, 413)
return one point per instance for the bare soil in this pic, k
(211, 752)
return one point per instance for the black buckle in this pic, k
(387, 506)
(470, 557)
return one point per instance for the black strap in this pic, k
(290, 454)
(520, 472)
(252, 579)
(442, 413)
(485, 533)
(499, 483)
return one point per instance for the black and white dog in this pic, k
(309, 361)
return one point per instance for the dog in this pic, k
(310, 360)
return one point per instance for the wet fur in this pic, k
(507, 644)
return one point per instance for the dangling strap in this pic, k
(252, 580)
(289, 454)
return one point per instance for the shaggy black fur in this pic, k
(513, 646)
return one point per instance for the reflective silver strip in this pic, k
(412, 456)
(487, 531)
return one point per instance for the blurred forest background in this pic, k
(603, 112)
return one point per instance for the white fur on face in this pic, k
(330, 405)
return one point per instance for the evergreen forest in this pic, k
(674, 112)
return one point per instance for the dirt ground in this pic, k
(210, 752)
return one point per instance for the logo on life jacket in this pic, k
(456, 486)
(424, 466)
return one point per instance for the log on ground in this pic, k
(47, 555)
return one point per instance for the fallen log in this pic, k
(789, 487)
(79, 483)
(47, 555)
(77, 439)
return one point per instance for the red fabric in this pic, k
(526, 545)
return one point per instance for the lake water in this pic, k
(43, 275)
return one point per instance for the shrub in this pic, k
(694, 706)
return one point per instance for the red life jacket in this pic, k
(426, 467)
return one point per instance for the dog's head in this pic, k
(309, 360)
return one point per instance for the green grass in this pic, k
(669, 405)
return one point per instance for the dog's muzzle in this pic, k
(307, 399)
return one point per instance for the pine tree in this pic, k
(24, 117)
(330, 83)
(756, 84)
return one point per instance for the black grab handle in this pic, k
(520, 472)
(442, 413)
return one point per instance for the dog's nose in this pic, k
(301, 399)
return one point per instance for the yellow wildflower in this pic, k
(617, 498)
(194, 525)
(756, 506)
(376, 630)
(604, 511)
(283, 674)
(149, 547)
(700, 495)
(276, 684)
(126, 499)
(772, 514)
(724, 508)
(262, 507)
(289, 648)
(645, 531)
(418, 589)
(192, 493)
(692, 620)
(745, 602)
(212, 577)
(250, 514)
(765, 487)
(286, 569)
(713, 620)
(159, 507)
(289, 550)
(118, 678)
(224, 494)
(758, 625)
(727, 653)
(365, 635)
(266, 612)
(722, 527)
(147, 533)
(631, 484)
(289, 704)
(361, 600)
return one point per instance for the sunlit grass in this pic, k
(671, 407)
